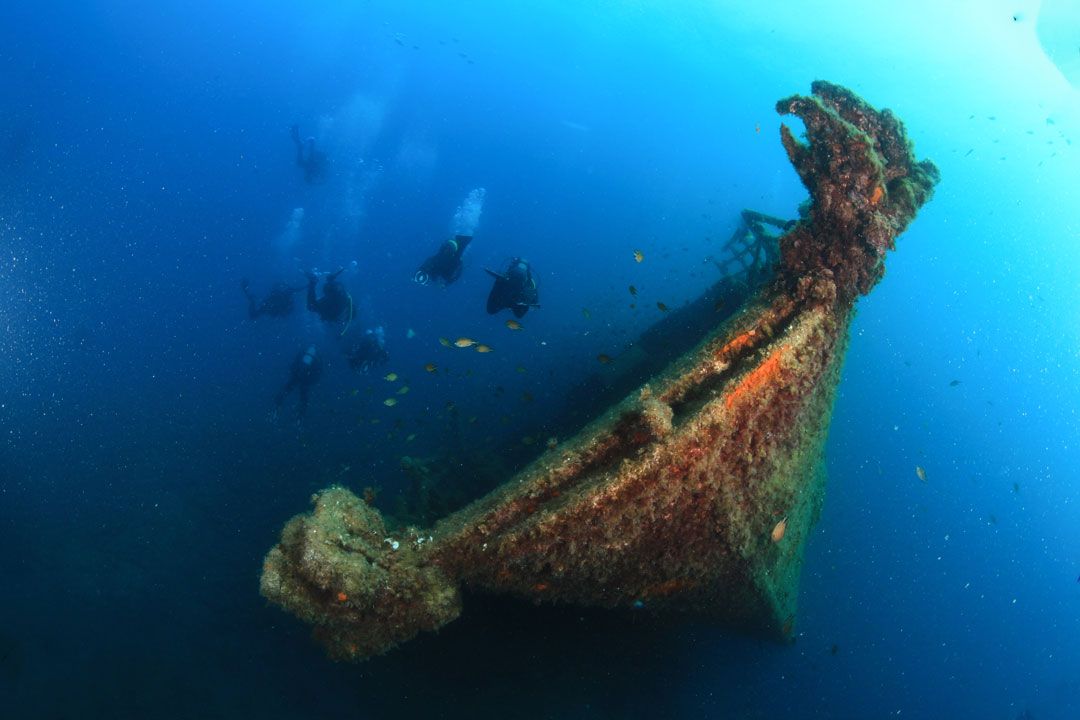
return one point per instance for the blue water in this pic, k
(146, 167)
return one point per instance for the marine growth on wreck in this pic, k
(696, 493)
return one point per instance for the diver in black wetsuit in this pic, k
(308, 159)
(335, 305)
(305, 371)
(369, 352)
(515, 289)
(277, 303)
(445, 265)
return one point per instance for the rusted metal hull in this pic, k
(695, 494)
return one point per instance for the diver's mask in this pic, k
(421, 277)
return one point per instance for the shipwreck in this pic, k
(694, 494)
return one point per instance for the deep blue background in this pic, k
(145, 167)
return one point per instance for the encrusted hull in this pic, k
(694, 495)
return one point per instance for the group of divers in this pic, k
(515, 289)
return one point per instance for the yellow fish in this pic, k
(464, 342)
(390, 377)
(444, 342)
(639, 256)
(483, 348)
(513, 324)
(779, 530)
(403, 389)
(431, 367)
(389, 402)
(920, 472)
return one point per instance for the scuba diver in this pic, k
(304, 372)
(369, 352)
(335, 305)
(277, 303)
(445, 265)
(308, 159)
(515, 289)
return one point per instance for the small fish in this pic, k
(662, 307)
(528, 440)
(969, 152)
(526, 397)
(778, 531)
(404, 389)
(1016, 487)
(638, 256)
(444, 342)
(552, 442)
(410, 334)
(390, 377)
(431, 367)
(633, 290)
(450, 405)
(834, 649)
(757, 128)
(954, 383)
(604, 359)
(390, 402)
(355, 392)
(513, 324)
(920, 472)
(521, 369)
(464, 342)
(482, 348)
(586, 313)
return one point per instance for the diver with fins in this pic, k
(369, 352)
(515, 289)
(445, 265)
(335, 304)
(277, 303)
(308, 159)
(305, 371)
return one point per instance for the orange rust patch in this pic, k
(668, 587)
(737, 343)
(342, 597)
(879, 192)
(760, 376)
(540, 587)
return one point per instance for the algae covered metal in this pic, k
(697, 492)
